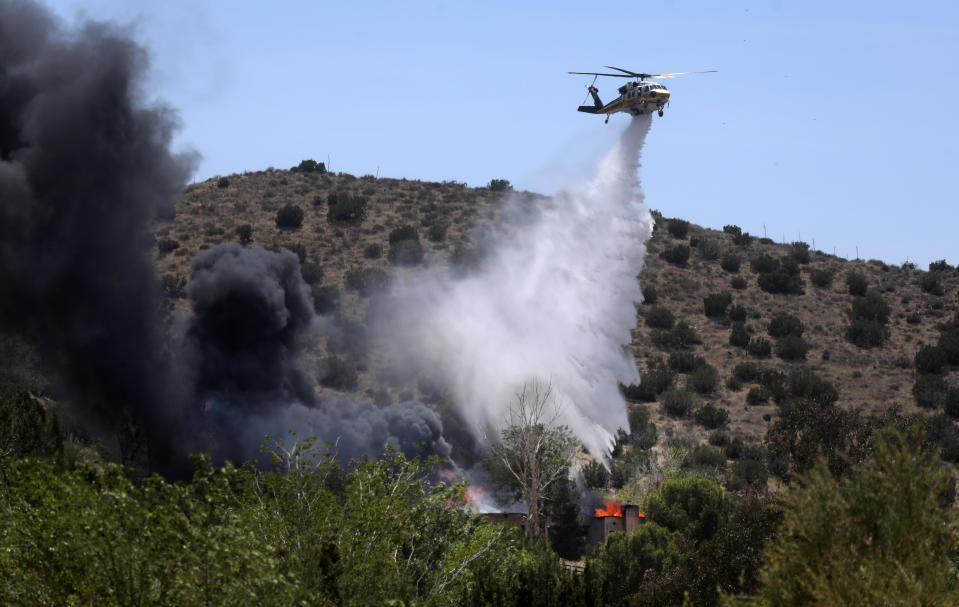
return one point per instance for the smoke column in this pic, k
(554, 300)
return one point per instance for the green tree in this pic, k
(695, 506)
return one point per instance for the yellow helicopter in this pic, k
(636, 97)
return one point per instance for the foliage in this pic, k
(367, 280)
(732, 230)
(856, 283)
(677, 228)
(758, 395)
(711, 417)
(311, 272)
(939, 266)
(804, 383)
(742, 240)
(792, 347)
(738, 283)
(785, 280)
(730, 262)
(344, 208)
(677, 402)
(173, 286)
(799, 252)
(949, 344)
(289, 216)
(764, 263)
(533, 453)
(872, 307)
(373, 250)
(739, 336)
(650, 296)
(223, 182)
(642, 430)
(595, 474)
(747, 371)
(28, 429)
(405, 246)
(165, 245)
(705, 456)
(783, 324)
(708, 248)
(759, 347)
(657, 379)
(626, 560)
(930, 359)
(704, 379)
(326, 299)
(866, 333)
(309, 166)
(932, 283)
(685, 361)
(876, 536)
(694, 506)
(930, 391)
(736, 313)
(244, 234)
(436, 232)
(680, 337)
(821, 278)
(660, 317)
(715, 304)
(499, 185)
(566, 536)
(677, 254)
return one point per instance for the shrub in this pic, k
(289, 217)
(866, 333)
(499, 185)
(405, 246)
(747, 371)
(659, 317)
(677, 228)
(914, 318)
(244, 234)
(695, 507)
(367, 280)
(730, 262)
(343, 208)
(338, 374)
(930, 391)
(715, 304)
(657, 379)
(705, 456)
(684, 362)
(680, 337)
(783, 324)
(711, 417)
(949, 344)
(939, 266)
(759, 346)
(792, 347)
(677, 402)
(930, 283)
(786, 280)
(166, 245)
(871, 307)
(718, 438)
(28, 429)
(748, 472)
(595, 475)
(436, 232)
(309, 166)
(734, 384)
(856, 283)
(758, 395)
(806, 384)
(776, 382)
(732, 230)
(737, 313)
(223, 182)
(642, 431)
(708, 248)
(650, 297)
(311, 272)
(326, 299)
(678, 254)
(930, 359)
(821, 278)
(703, 379)
(373, 251)
(742, 240)
(764, 263)
(735, 448)
(738, 282)
(799, 252)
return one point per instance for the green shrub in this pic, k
(165, 245)
(343, 208)
(738, 282)
(914, 318)
(703, 379)
(758, 395)
(930, 391)
(734, 384)
(642, 431)
(677, 228)
(595, 475)
(792, 347)
(678, 254)
(931, 283)
(373, 251)
(311, 272)
(866, 333)
(657, 379)
(871, 307)
(684, 361)
(785, 280)
(436, 232)
(799, 252)
(735, 449)
(856, 283)
(326, 299)
(405, 246)
(499, 185)
(930, 360)
(708, 248)
(650, 297)
(764, 263)
(289, 216)
(719, 438)
(777, 383)
(732, 230)
(659, 317)
(783, 324)
(821, 278)
(677, 402)
(742, 240)
(705, 456)
(747, 371)
(759, 347)
(367, 280)
(748, 472)
(949, 344)
(680, 337)
(711, 417)
(244, 234)
(28, 429)
(310, 166)
(695, 507)
(737, 313)
(223, 182)
(715, 304)
(939, 266)
(806, 384)
(338, 374)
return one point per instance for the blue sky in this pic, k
(833, 122)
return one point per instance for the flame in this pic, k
(447, 475)
(474, 495)
(611, 509)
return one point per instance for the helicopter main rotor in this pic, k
(641, 76)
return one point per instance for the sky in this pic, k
(834, 123)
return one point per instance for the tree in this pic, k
(534, 452)
(879, 535)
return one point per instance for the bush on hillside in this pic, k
(711, 417)
(405, 246)
(715, 304)
(792, 347)
(785, 280)
(866, 333)
(595, 475)
(326, 299)
(856, 283)
(705, 456)
(747, 371)
(806, 384)
(708, 248)
(659, 317)
(289, 217)
(367, 280)
(244, 234)
(737, 313)
(684, 361)
(680, 337)
(758, 395)
(739, 336)
(732, 230)
(939, 266)
(949, 344)
(764, 263)
(759, 347)
(650, 297)
(344, 208)
(338, 374)
(703, 379)
(373, 251)
(799, 252)
(742, 240)
(678, 254)
(677, 402)
(165, 245)
(783, 324)
(677, 228)
(930, 360)
(499, 185)
(730, 262)
(930, 391)
(738, 283)
(821, 278)
(931, 283)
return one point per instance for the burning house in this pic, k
(613, 516)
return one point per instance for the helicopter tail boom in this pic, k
(597, 103)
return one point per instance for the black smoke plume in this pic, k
(85, 167)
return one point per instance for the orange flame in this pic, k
(611, 509)
(473, 495)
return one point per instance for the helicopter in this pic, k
(636, 97)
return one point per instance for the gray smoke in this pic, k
(85, 167)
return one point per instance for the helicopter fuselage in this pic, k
(636, 97)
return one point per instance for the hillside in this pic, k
(446, 214)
